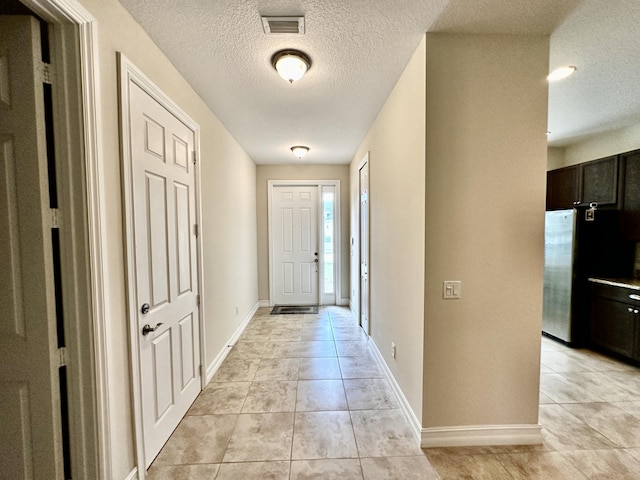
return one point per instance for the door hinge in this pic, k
(55, 221)
(62, 357)
(195, 229)
(46, 73)
(194, 156)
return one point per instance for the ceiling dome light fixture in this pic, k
(300, 151)
(560, 73)
(291, 64)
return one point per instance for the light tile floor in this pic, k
(590, 414)
(300, 397)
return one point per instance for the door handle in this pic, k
(147, 329)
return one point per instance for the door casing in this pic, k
(364, 316)
(337, 250)
(73, 39)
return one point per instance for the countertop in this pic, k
(633, 283)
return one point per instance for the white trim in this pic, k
(469, 436)
(353, 309)
(264, 303)
(358, 248)
(337, 232)
(411, 417)
(343, 302)
(70, 11)
(129, 73)
(215, 365)
(481, 436)
(133, 474)
(200, 255)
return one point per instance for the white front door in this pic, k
(364, 247)
(294, 213)
(30, 425)
(163, 176)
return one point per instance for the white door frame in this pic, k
(81, 183)
(362, 237)
(129, 73)
(337, 234)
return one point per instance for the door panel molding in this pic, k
(271, 184)
(129, 75)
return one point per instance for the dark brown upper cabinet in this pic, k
(583, 184)
(630, 184)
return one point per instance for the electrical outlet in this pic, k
(393, 350)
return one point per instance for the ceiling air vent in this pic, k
(277, 25)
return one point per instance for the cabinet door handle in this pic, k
(634, 297)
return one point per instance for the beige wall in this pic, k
(396, 149)
(302, 172)
(485, 200)
(609, 143)
(555, 157)
(228, 202)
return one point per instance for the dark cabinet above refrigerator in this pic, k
(583, 184)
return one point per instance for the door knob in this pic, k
(145, 308)
(147, 329)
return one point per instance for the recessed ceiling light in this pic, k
(560, 73)
(291, 64)
(300, 151)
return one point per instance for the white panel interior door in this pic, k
(364, 247)
(166, 266)
(295, 238)
(30, 435)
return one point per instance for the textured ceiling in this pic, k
(601, 39)
(359, 49)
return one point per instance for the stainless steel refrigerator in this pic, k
(559, 258)
(578, 245)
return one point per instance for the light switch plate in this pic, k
(451, 289)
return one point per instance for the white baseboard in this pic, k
(264, 303)
(481, 436)
(344, 302)
(213, 367)
(414, 423)
(354, 309)
(133, 475)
